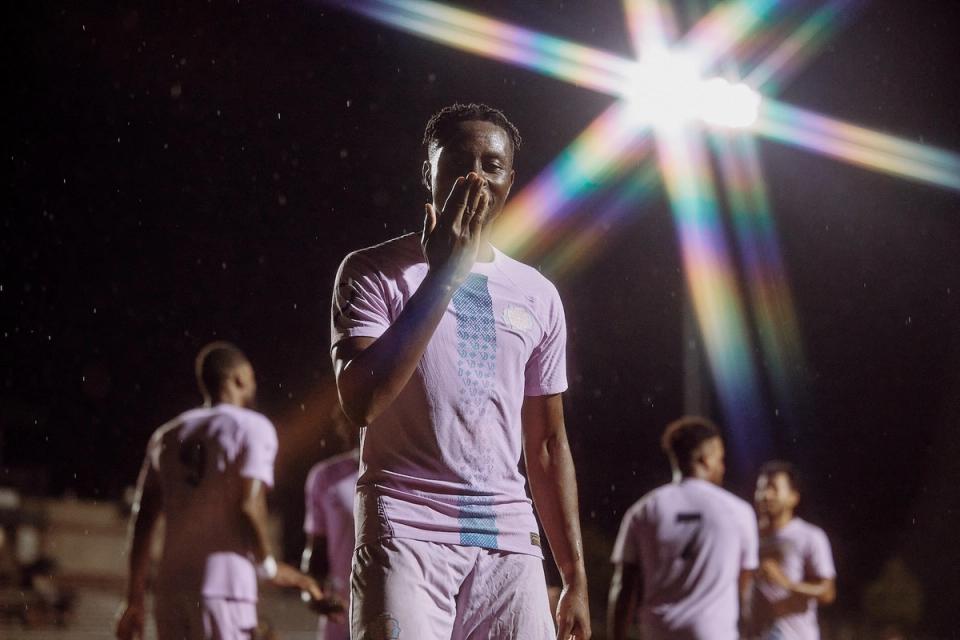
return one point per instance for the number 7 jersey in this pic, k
(691, 540)
(201, 458)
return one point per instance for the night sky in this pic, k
(198, 171)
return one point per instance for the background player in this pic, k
(452, 357)
(208, 471)
(684, 548)
(796, 562)
(328, 524)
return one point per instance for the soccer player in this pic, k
(686, 551)
(796, 562)
(328, 525)
(208, 471)
(451, 357)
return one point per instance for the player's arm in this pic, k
(314, 561)
(253, 507)
(147, 508)
(626, 591)
(371, 372)
(553, 484)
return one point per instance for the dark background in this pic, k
(198, 171)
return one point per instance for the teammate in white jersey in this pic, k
(207, 471)
(796, 563)
(328, 524)
(451, 356)
(687, 550)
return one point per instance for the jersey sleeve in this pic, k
(626, 549)
(314, 520)
(259, 451)
(360, 307)
(750, 550)
(546, 370)
(820, 560)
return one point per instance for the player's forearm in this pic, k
(141, 538)
(374, 377)
(553, 484)
(823, 591)
(619, 606)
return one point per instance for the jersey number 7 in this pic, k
(695, 521)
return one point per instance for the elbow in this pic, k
(829, 596)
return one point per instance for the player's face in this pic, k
(774, 495)
(712, 456)
(478, 146)
(246, 383)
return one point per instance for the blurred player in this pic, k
(686, 551)
(452, 356)
(328, 523)
(208, 471)
(796, 563)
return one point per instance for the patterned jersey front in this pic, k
(441, 463)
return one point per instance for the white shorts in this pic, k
(414, 590)
(190, 617)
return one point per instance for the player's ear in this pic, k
(425, 173)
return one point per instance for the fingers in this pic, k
(463, 203)
(564, 627)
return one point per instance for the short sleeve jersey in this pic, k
(803, 552)
(201, 458)
(691, 540)
(441, 463)
(329, 492)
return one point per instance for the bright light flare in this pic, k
(668, 90)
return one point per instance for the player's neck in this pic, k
(485, 254)
(779, 521)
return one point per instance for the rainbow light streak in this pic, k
(771, 301)
(857, 145)
(712, 282)
(583, 242)
(532, 217)
(652, 25)
(796, 50)
(551, 56)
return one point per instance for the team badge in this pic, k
(517, 318)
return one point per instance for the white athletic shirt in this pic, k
(441, 463)
(691, 540)
(803, 552)
(201, 458)
(330, 488)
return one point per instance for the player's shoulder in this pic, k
(248, 421)
(649, 503)
(397, 252)
(808, 530)
(524, 274)
(333, 468)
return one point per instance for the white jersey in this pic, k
(691, 540)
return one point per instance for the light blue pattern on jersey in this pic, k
(476, 368)
(478, 522)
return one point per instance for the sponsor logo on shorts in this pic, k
(535, 539)
(385, 627)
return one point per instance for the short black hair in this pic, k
(773, 467)
(214, 364)
(683, 437)
(440, 126)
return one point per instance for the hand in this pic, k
(287, 576)
(770, 570)
(331, 606)
(573, 613)
(130, 622)
(451, 239)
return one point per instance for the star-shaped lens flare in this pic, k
(679, 101)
